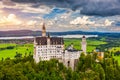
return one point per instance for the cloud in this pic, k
(85, 22)
(8, 2)
(101, 7)
(60, 14)
(105, 23)
(50, 3)
(87, 7)
(27, 8)
(41, 9)
(12, 22)
(66, 15)
(31, 22)
(11, 19)
(117, 23)
(1, 11)
(108, 22)
(96, 7)
(82, 21)
(9, 6)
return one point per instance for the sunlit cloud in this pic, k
(1, 11)
(108, 22)
(83, 21)
(31, 22)
(11, 19)
(105, 23)
(42, 9)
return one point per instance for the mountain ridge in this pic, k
(18, 33)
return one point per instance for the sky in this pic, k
(60, 15)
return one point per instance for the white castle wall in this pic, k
(47, 52)
(69, 58)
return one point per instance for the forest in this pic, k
(24, 68)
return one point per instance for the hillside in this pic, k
(17, 33)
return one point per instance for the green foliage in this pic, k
(27, 69)
(86, 69)
(89, 69)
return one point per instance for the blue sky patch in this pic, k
(117, 23)
(54, 12)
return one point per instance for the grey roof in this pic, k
(71, 49)
(53, 40)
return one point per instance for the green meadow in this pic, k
(91, 44)
(22, 49)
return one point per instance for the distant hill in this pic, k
(101, 34)
(17, 33)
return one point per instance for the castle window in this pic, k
(68, 63)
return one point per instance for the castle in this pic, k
(47, 47)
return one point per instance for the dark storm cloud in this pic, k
(97, 7)
(87, 7)
(102, 8)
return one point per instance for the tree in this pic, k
(81, 62)
(18, 55)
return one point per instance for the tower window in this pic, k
(68, 63)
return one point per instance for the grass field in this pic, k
(91, 44)
(6, 45)
(27, 48)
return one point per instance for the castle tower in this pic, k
(84, 44)
(36, 58)
(48, 39)
(43, 30)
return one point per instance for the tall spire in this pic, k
(43, 30)
(84, 44)
(48, 35)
